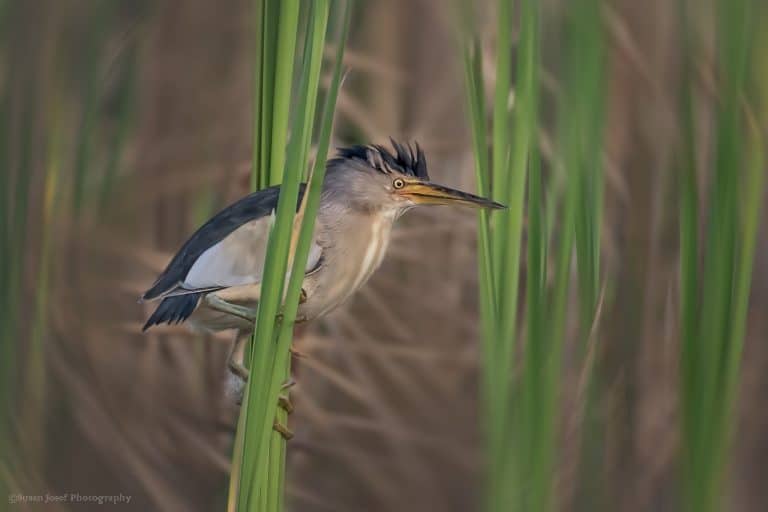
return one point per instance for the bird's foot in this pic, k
(284, 402)
(296, 352)
(280, 316)
(282, 430)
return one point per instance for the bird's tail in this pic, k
(174, 309)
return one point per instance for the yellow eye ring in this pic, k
(398, 184)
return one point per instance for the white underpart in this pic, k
(315, 251)
(370, 255)
(239, 258)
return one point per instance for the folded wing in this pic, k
(228, 250)
(238, 259)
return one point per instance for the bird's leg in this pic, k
(236, 366)
(302, 300)
(219, 304)
(285, 404)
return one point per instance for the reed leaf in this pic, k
(714, 295)
(511, 445)
(7, 343)
(521, 412)
(91, 93)
(126, 98)
(583, 110)
(261, 463)
(255, 436)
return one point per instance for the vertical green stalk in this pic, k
(18, 125)
(714, 311)
(261, 461)
(297, 162)
(510, 158)
(127, 99)
(538, 396)
(519, 452)
(536, 414)
(500, 150)
(91, 94)
(306, 217)
(7, 343)
(510, 225)
(34, 374)
(254, 467)
(521, 414)
(17, 203)
(268, 23)
(259, 76)
(587, 79)
(584, 83)
(494, 418)
(689, 252)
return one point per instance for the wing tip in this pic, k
(173, 310)
(158, 289)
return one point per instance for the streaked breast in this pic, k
(363, 253)
(374, 252)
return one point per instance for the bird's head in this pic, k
(374, 177)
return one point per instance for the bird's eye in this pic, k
(398, 184)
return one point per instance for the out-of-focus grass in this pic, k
(581, 145)
(35, 379)
(521, 409)
(495, 396)
(37, 106)
(7, 352)
(514, 155)
(19, 129)
(716, 268)
(125, 105)
(91, 94)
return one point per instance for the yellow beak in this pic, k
(431, 193)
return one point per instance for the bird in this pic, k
(213, 281)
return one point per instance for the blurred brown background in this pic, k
(387, 399)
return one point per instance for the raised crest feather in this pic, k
(406, 159)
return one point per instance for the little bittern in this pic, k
(214, 278)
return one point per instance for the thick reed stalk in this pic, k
(257, 481)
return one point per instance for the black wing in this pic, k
(254, 206)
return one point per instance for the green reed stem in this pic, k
(261, 461)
